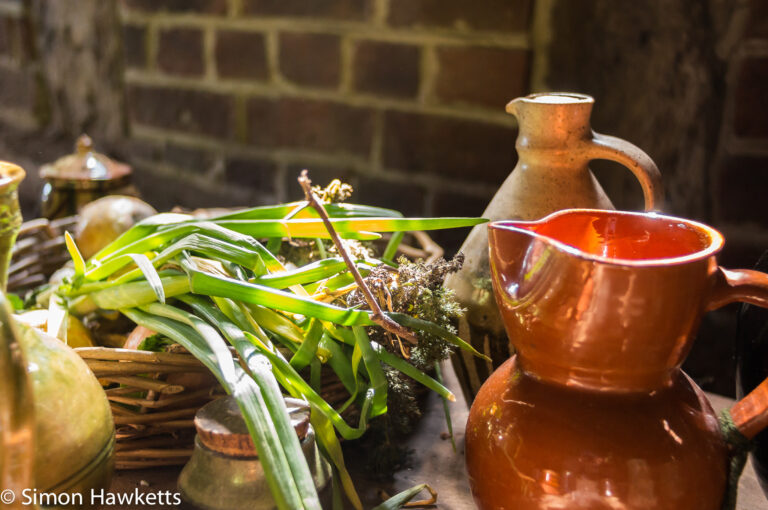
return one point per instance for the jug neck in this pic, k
(552, 120)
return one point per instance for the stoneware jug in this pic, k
(554, 145)
(594, 412)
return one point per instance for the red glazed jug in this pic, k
(594, 411)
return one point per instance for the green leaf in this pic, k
(261, 403)
(299, 388)
(150, 273)
(400, 499)
(364, 229)
(414, 373)
(375, 373)
(74, 253)
(308, 348)
(213, 285)
(434, 329)
(134, 294)
(339, 362)
(446, 409)
(392, 245)
(276, 323)
(331, 447)
(340, 210)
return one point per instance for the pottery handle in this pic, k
(632, 157)
(750, 414)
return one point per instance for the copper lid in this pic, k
(221, 427)
(84, 165)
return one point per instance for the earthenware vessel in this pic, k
(593, 412)
(554, 145)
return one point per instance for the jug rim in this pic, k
(558, 98)
(715, 238)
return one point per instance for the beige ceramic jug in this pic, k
(554, 145)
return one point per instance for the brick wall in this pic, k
(20, 95)
(403, 98)
(740, 174)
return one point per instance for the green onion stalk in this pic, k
(214, 284)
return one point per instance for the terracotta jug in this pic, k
(593, 412)
(554, 145)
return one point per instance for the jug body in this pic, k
(593, 411)
(554, 145)
(533, 445)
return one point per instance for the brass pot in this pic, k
(77, 179)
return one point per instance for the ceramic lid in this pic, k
(85, 165)
(221, 427)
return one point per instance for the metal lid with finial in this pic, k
(85, 166)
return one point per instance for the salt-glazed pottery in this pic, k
(61, 412)
(593, 412)
(224, 472)
(10, 214)
(56, 430)
(77, 179)
(554, 145)
(752, 355)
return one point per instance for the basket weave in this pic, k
(153, 414)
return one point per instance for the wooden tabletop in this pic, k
(433, 462)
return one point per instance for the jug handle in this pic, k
(750, 414)
(632, 157)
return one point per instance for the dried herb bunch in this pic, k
(415, 288)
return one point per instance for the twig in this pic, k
(376, 314)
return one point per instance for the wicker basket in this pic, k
(152, 405)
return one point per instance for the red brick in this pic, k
(455, 204)
(480, 75)
(17, 89)
(498, 15)
(386, 68)
(449, 147)
(336, 9)
(134, 46)
(751, 111)
(742, 190)
(180, 51)
(310, 59)
(15, 38)
(309, 124)
(217, 7)
(204, 113)
(164, 192)
(757, 24)
(407, 198)
(7, 29)
(257, 174)
(189, 159)
(241, 55)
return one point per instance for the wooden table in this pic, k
(433, 462)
